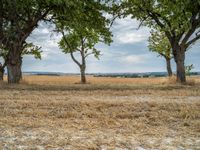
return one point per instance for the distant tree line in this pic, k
(175, 26)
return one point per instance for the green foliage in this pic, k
(178, 19)
(84, 28)
(18, 18)
(28, 49)
(188, 69)
(83, 42)
(88, 15)
(31, 49)
(159, 43)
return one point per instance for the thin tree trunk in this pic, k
(169, 69)
(83, 65)
(83, 77)
(179, 57)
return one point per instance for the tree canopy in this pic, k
(179, 20)
(87, 27)
(18, 18)
(159, 43)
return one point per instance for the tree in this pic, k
(18, 18)
(178, 19)
(17, 21)
(83, 42)
(86, 28)
(159, 43)
(28, 49)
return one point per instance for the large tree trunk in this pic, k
(14, 65)
(14, 72)
(169, 69)
(179, 57)
(1, 73)
(83, 77)
(180, 71)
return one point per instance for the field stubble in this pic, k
(109, 113)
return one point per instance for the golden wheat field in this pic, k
(106, 114)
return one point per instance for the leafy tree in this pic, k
(178, 19)
(28, 49)
(18, 18)
(159, 43)
(82, 42)
(86, 28)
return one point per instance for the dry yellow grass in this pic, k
(109, 113)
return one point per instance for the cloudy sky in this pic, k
(128, 52)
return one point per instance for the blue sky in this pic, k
(128, 52)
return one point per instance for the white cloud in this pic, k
(126, 31)
(128, 53)
(135, 59)
(131, 38)
(44, 31)
(127, 22)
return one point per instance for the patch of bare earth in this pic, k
(99, 116)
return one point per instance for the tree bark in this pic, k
(169, 69)
(179, 56)
(14, 64)
(83, 65)
(21, 67)
(180, 71)
(14, 72)
(1, 73)
(83, 77)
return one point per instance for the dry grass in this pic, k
(109, 113)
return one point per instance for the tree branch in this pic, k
(159, 23)
(193, 40)
(194, 23)
(71, 53)
(155, 16)
(32, 24)
(74, 59)
(88, 54)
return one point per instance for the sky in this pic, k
(128, 53)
